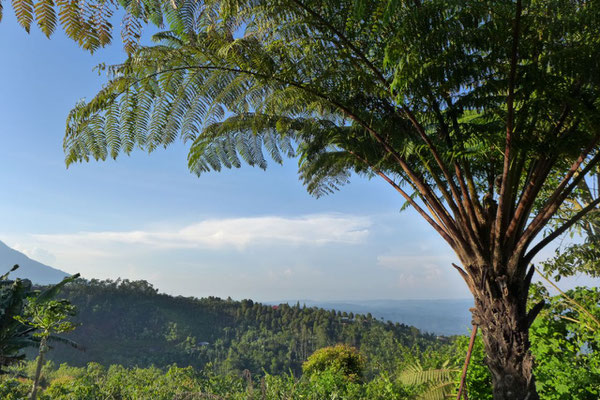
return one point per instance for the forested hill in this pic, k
(130, 323)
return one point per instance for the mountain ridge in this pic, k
(33, 270)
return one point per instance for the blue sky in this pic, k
(241, 233)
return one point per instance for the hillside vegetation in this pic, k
(130, 323)
(146, 345)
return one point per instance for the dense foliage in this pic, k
(14, 336)
(97, 382)
(16, 300)
(130, 323)
(565, 343)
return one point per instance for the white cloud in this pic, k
(36, 253)
(239, 233)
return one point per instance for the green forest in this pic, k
(482, 117)
(131, 324)
(136, 343)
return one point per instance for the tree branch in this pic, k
(536, 180)
(529, 256)
(505, 195)
(559, 195)
(408, 198)
(344, 39)
(464, 203)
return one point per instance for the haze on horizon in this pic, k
(244, 233)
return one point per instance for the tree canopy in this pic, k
(483, 116)
(424, 94)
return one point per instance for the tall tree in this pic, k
(47, 318)
(483, 116)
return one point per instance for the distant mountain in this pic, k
(28, 269)
(442, 317)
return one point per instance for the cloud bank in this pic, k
(238, 233)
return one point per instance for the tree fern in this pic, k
(483, 116)
(438, 384)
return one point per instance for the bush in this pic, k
(341, 358)
(14, 389)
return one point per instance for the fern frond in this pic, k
(443, 391)
(70, 18)
(438, 384)
(131, 30)
(112, 130)
(45, 14)
(416, 375)
(23, 12)
(102, 14)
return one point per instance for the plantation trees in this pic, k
(483, 116)
(47, 317)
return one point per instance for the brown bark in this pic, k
(501, 313)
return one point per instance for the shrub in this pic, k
(341, 358)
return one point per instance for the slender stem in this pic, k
(474, 196)
(463, 376)
(456, 204)
(38, 368)
(536, 178)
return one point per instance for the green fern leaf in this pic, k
(45, 14)
(24, 13)
(130, 32)
(70, 18)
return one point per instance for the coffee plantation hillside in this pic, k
(131, 324)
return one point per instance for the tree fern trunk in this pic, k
(501, 312)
